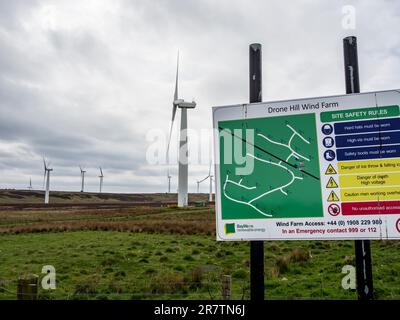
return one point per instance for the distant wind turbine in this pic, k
(46, 178)
(30, 184)
(211, 180)
(183, 141)
(83, 179)
(210, 176)
(101, 176)
(210, 197)
(169, 182)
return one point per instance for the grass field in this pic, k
(170, 253)
(37, 196)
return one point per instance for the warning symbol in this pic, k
(333, 197)
(332, 183)
(333, 209)
(330, 170)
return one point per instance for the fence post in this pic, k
(27, 288)
(226, 287)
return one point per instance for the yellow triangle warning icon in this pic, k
(332, 183)
(333, 197)
(330, 170)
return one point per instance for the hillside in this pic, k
(37, 196)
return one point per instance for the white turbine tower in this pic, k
(30, 184)
(183, 141)
(198, 186)
(210, 197)
(46, 178)
(101, 176)
(169, 182)
(83, 179)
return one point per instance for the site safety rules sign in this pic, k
(318, 168)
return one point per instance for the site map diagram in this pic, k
(286, 169)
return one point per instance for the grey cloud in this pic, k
(87, 89)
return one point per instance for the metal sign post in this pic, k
(362, 247)
(256, 247)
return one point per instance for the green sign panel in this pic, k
(285, 179)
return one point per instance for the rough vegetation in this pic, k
(169, 253)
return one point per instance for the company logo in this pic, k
(229, 228)
(398, 225)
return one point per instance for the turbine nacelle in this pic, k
(46, 166)
(186, 105)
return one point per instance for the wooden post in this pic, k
(226, 287)
(27, 288)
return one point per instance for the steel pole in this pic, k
(256, 247)
(365, 288)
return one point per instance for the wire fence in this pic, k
(206, 289)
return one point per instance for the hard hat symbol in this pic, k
(327, 129)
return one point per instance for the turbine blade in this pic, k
(170, 134)
(174, 106)
(176, 78)
(44, 177)
(204, 179)
(44, 163)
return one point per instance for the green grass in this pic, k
(125, 265)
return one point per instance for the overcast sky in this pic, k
(83, 81)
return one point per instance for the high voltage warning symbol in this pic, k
(332, 183)
(333, 197)
(330, 170)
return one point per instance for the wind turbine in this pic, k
(198, 185)
(210, 197)
(46, 178)
(183, 141)
(101, 176)
(210, 176)
(83, 179)
(169, 182)
(30, 184)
